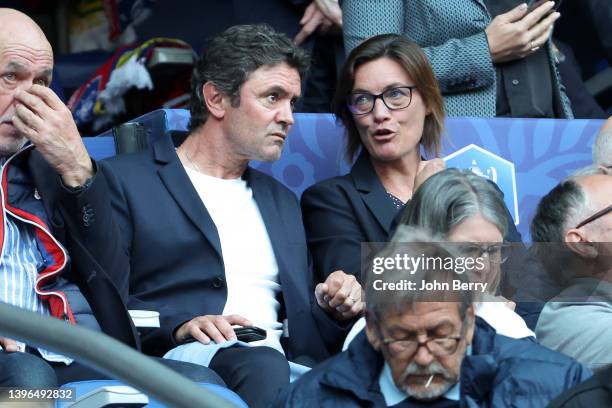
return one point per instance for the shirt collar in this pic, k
(394, 395)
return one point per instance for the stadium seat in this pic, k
(526, 157)
(94, 390)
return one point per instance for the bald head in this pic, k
(20, 29)
(26, 59)
(602, 148)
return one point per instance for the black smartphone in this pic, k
(250, 334)
(246, 334)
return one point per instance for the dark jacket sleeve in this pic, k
(332, 230)
(158, 341)
(83, 220)
(91, 224)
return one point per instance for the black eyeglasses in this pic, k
(595, 216)
(361, 103)
(497, 253)
(438, 346)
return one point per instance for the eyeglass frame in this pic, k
(487, 250)
(595, 216)
(375, 97)
(388, 340)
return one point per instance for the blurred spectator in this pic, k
(425, 348)
(493, 61)
(596, 392)
(573, 228)
(592, 42)
(584, 104)
(314, 25)
(602, 147)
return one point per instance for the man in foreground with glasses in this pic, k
(428, 349)
(573, 231)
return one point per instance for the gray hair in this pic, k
(416, 242)
(602, 148)
(563, 207)
(449, 197)
(231, 56)
(559, 210)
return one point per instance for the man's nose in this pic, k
(423, 356)
(285, 114)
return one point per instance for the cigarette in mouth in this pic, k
(428, 383)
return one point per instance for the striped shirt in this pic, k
(20, 264)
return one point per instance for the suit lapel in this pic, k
(372, 191)
(179, 185)
(271, 215)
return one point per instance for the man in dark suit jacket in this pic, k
(60, 254)
(214, 243)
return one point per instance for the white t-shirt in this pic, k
(251, 271)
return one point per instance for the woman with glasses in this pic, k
(388, 100)
(469, 211)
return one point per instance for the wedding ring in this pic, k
(533, 47)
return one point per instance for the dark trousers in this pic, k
(80, 372)
(256, 374)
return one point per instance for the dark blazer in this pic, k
(83, 223)
(176, 263)
(342, 212)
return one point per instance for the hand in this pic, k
(427, 168)
(206, 328)
(9, 345)
(340, 295)
(489, 297)
(518, 33)
(332, 11)
(314, 19)
(44, 119)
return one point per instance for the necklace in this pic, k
(191, 163)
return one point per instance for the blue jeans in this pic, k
(25, 370)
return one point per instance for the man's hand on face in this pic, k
(9, 345)
(340, 295)
(44, 119)
(210, 327)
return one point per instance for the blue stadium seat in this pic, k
(526, 157)
(83, 387)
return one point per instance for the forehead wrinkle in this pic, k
(20, 51)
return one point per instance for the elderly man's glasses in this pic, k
(361, 103)
(497, 253)
(438, 346)
(595, 216)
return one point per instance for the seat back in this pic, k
(525, 157)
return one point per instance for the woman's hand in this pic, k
(520, 32)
